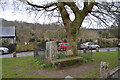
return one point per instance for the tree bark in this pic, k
(72, 35)
(72, 40)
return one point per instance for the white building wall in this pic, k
(10, 40)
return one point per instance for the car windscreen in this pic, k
(83, 43)
(91, 44)
(65, 44)
(58, 45)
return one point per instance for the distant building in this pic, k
(8, 34)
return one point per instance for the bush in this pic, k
(5, 43)
(12, 47)
(106, 43)
(61, 56)
(38, 40)
(88, 40)
(43, 64)
(46, 65)
(42, 45)
(32, 40)
(22, 47)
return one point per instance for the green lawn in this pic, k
(0, 68)
(110, 57)
(24, 67)
(20, 67)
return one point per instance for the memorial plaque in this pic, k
(51, 50)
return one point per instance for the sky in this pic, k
(10, 13)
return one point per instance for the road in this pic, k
(21, 54)
(102, 49)
(31, 53)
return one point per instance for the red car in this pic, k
(62, 46)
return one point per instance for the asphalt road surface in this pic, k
(21, 54)
(31, 53)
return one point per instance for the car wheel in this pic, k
(88, 47)
(97, 48)
(1, 52)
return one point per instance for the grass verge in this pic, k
(110, 57)
(25, 67)
(19, 67)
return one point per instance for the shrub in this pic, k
(105, 43)
(38, 40)
(12, 47)
(43, 64)
(88, 40)
(61, 56)
(46, 65)
(42, 45)
(22, 47)
(5, 43)
(32, 40)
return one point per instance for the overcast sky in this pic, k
(9, 12)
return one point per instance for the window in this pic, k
(58, 45)
(91, 44)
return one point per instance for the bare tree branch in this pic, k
(44, 7)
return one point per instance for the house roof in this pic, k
(7, 32)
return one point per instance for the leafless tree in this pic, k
(115, 28)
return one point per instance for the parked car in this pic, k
(3, 50)
(119, 44)
(62, 46)
(89, 45)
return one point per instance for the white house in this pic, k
(8, 33)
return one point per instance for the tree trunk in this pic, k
(72, 44)
(72, 39)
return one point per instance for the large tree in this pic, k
(102, 13)
(115, 28)
(71, 27)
